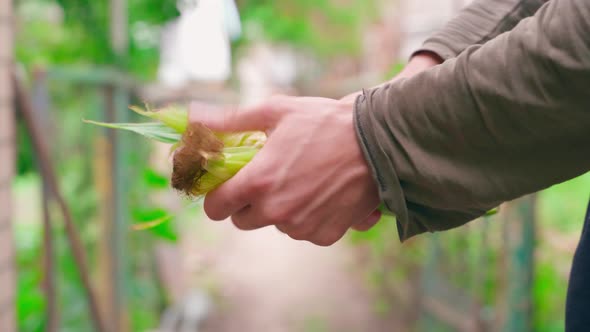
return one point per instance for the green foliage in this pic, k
(549, 298)
(83, 36)
(155, 180)
(561, 210)
(164, 229)
(323, 26)
(562, 207)
(479, 269)
(75, 172)
(30, 302)
(25, 162)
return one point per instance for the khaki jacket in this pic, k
(506, 114)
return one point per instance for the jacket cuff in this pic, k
(382, 167)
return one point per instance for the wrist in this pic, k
(426, 59)
(420, 62)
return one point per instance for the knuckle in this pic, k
(241, 223)
(297, 236)
(276, 106)
(293, 223)
(278, 216)
(301, 232)
(260, 186)
(323, 242)
(268, 111)
(239, 192)
(282, 229)
(328, 239)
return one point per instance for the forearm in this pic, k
(479, 22)
(501, 120)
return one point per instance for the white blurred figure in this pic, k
(264, 70)
(196, 46)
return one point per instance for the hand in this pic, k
(417, 64)
(310, 180)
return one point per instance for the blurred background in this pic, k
(70, 193)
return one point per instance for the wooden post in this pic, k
(40, 103)
(116, 107)
(7, 157)
(104, 164)
(521, 244)
(117, 112)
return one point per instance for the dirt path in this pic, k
(264, 281)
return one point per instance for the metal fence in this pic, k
(476, 278)
(109, 169)
(480, 278)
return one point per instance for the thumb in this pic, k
(233, 119)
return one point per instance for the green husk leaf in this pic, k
(153, 130)
(254, 139)
(150, 224)
(233, 160)
(492, 212)
(173, 116)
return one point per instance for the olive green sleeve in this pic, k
(477, 23)
(499, 121)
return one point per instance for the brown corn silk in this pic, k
(198, 145)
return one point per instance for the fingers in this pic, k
(301, 231)
(225, 119)
(232, 196)
(233, 119)
(262, 117)
(324, 233)
(245, 219)
(369, 222)
(248, 219)
(328, 234)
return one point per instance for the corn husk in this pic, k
(202, 159)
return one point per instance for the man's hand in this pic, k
(417, 64)
(310, 180)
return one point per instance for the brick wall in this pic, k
(7, 153)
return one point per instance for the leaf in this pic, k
(154, 179)
(174, 117)
(157, 221)
(492, 212)
(150, 224)
(153, 130)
